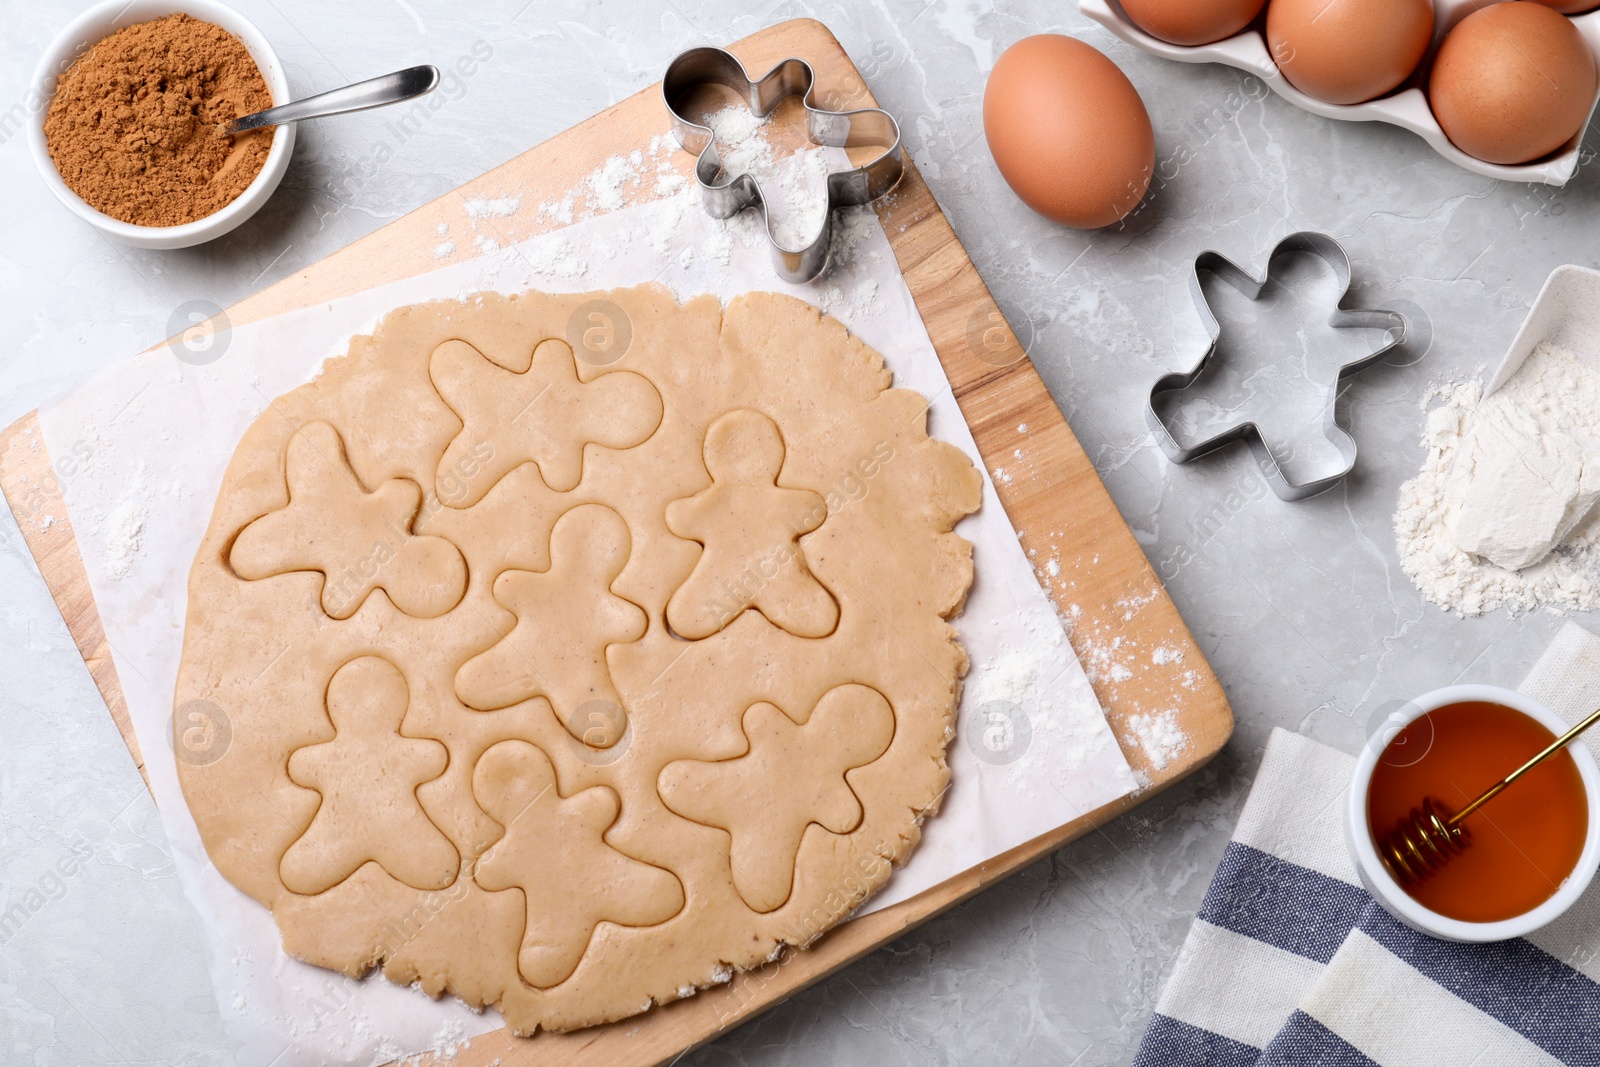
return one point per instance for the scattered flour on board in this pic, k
(504, 207)
(1159, 736)
(794, 185)
(1111, 656)
(559, 210)
(1022, 677)
(1553, 389)
(1103, 660)
(556, 258)
(124, 531)
(670, 184)
(449, 1040)
(443, 249)
(607, 186)
(1011, 676)
(1130, 606)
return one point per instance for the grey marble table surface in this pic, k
(1301, 608)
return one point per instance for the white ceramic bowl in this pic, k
(111, 15)
(1375, 876)
(1407, 107)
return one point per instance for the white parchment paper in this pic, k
(1034, 750)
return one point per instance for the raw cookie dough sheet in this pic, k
(162, 431)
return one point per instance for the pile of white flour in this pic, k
(1502, 513)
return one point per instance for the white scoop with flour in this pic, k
(1527, 473)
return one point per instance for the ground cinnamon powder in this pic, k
(135, 127)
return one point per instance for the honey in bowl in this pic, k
(1524, 844)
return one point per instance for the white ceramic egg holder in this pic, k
(1407, 107)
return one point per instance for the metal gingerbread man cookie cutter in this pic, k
(700, 67)
(1333, 254)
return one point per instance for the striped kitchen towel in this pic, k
(1291, 964)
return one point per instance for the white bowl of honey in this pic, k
(1526, 857)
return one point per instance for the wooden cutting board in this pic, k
(1117, 611)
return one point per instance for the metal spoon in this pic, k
(374, 92)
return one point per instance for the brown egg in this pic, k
(1193, 22)
(1571, 7)
(1068, 131)
(1512, 82)
(1348, 51)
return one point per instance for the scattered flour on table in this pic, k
(1509, 477)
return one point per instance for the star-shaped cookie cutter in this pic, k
(1330, 252)
(700, 67)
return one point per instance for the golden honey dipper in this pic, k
(1426, 841)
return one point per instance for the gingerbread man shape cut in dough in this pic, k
(544, 415)
(566, 616)
(368, 777)
(360, 541)
(749, 528)
(554, 851)
(792, 776)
